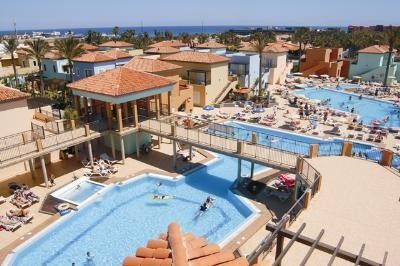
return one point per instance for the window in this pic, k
(88, 72)
(44, 67)
(65, 68)
(34, 63)
(54, 69)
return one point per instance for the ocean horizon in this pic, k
(176, 30)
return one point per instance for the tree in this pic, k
(392, 37)
(300, 36)
(142, 41)
(230, 39)
(37, 49)
(260, 40)
(158, 36)
(128, 35)
(115, 31)
(168, 35)
(69, 48)
(202, 38)
(10, 46)
(93, 37)
(186, 38)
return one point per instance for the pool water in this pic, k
(368, 109)
(125, 217)
(81, 192)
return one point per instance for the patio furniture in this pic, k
(105, 157)
(19, 215)
(9, 224)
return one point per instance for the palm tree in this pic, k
(10, 45)
(300, 35)
(186, 38)
(115, 31)
(168, 35)
(392, 38)
(259, 42)
(69, 48)
(37, 49)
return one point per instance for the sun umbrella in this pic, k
(208, 107)
(298, 74)
(313, 76)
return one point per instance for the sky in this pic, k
(51, 14)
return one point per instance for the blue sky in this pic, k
(30, 14)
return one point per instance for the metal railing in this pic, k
(330, 148)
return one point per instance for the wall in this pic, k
(219, 79)
(98, 67)
(58, 65)
(129, 142)
(278, 61)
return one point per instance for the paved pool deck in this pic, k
(359, 200)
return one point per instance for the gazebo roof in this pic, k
(9, 94)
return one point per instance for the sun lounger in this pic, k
(9, 224)
(20, 203)
(107, 159)
(86, 163)
(19, 216)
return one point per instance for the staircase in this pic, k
(228, 87)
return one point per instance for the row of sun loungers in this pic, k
(14, 219)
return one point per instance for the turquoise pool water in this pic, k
(300, 144)
(125, 217)
(81, 192)
(368, 109)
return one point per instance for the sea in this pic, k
(176, 30)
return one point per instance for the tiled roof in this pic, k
(116, 44)
(179, 249)
(211, 45)
(375, 49)
(171, 43)
(93, 57)
(117, 54)
(88, 47)
(53, 55)
(162, 50)
(150, 65)
(196, 57)
(9, 94)
(120, 81)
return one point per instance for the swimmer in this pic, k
(350, 98)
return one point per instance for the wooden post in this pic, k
(239, 148)
(87, 130)
(299, 165)
(148, 106)
(89, 144)
(280, 239)
(135, 113)
(93, 106)
(254, 138)
(307, 199)
(313, 152)
(125, 109)
(73, 125)
(157, 102)
(318, 187)
(119, 118)
(169, 103)
(346, 148)
(78, 104)
(386, 159)
(109, 116)
(85, 106)
(39, 144)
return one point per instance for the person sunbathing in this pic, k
(17, 213)
(28, 194)
(18, 197)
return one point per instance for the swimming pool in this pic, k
(125, 216)
(368, 109)
(78, 191)
(300, 144)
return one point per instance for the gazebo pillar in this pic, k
(135, 113)
(93, 106)
(157, 102)
(109, 116)
(148, 106)
(119, 117)
(85, 105)
(125, 109)
(169, 103)
(77, 102)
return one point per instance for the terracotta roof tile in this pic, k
(120, 81)
(196, 57)
(117, 54)
(171, 43)
(88, 47)
(162, 50)
(9, 94)
(116, 44)
(375, 49)
(211, 45)
(150, 65)
(93, 57)
(53, 55)
(184, 249)
(270, 48)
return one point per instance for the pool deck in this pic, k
(159, 161)
(358, 200)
